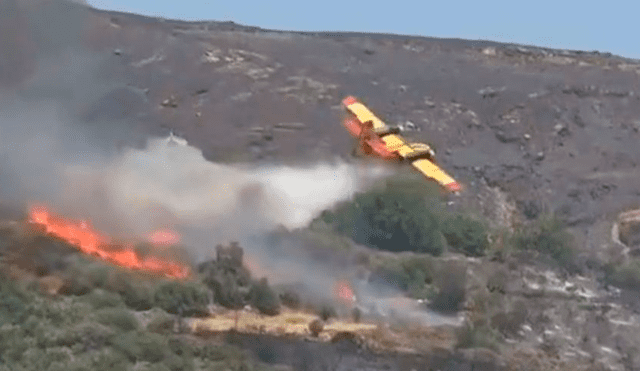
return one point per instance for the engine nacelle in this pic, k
(421, 150)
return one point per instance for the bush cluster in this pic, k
(548, 236)
(414, 274)
(625, 276)
(264, 299)
(103, 286)
(390, 220)
(96, 332)
(233, 287)
(182, 298)
(466, 235)
(405, 216)
(470, 336)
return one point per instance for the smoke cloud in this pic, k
(172, 185)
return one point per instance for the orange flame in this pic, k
(164, 237)
(92, 242)
(342, 291)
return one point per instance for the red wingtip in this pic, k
(454, 187)
(349, 100)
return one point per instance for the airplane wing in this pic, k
(431, 170)
(427, 167)
(362, 113)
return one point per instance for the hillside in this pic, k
(536, 135)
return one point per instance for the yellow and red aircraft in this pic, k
(378, 139)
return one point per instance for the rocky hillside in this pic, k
(554, 129)
(530, 131)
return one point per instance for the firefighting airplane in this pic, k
(378, 139)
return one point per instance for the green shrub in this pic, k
(184, 298)
(176, 363)
(548, 236)
(392, 219)
(13, 300)
(144, 366)
(98, 274)
(108, 359)
(216, 353)
(323, 239)
(13, 343)
(43, 359)
(136, 296)
(390, 272)
(625, 276)
(119, 318)
(161, 323)
(103, 299)
(465, 234)
(469, 336)
(264, 298)
(411, 273)
(90, 336)
(419, 271)
(182, 357)
(141, 346)
(12, 307)
(230, 285)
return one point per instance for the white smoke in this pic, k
(173, 185)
